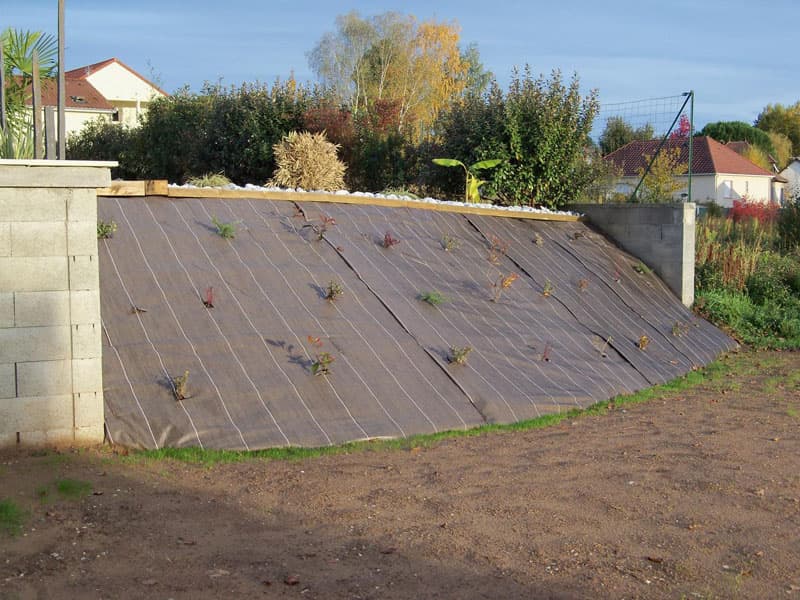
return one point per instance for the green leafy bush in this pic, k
(104, 140)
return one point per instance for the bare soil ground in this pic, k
(693, 495)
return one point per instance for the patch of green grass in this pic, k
(224, 230)
(218, 179)
(771, 384)
(12, 517)
(716, 371)
(793, 412)
(73, 488)
(433, 298)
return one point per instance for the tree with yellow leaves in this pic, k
(663, 179)
(393, 59)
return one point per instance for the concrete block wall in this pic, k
(51, 385)
(661, 235)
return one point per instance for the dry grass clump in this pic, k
(209, 180)
(308, 161)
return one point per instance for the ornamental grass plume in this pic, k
(308, 161)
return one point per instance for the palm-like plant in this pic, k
(472, 192)
(18, 48)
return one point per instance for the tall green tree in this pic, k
(619, 132)
(782, 119)
(734, 131)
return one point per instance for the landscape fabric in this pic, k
(247, 316)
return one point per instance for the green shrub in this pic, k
(12, 517)
(309, 161)
(547, 125)
(104, 140)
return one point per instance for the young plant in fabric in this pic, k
(502, 283)
(321, 365)
(604, 347)
(548, 289)
(472, 191)
(643, 342)
(224, 230)
(679, 328)
(538, 240)
(389, 240)
(458, 355)
(433, 298)
(334, 290)
(208, 301)
(642, 268)
(498, 248)
(180, 386)
(321, 228)
(583, 284)
(106, 229)
(450, 243)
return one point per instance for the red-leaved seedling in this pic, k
(208, 302)
(388, 240)
(502, 283)
(546, 353)
(321, 365)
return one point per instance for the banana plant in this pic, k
(472, 192)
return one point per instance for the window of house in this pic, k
(727, 188)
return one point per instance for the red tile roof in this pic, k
(79, 94)
(84, 72)
(708, 156)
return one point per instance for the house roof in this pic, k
(84, 72)
(79, 94)
(708, 157)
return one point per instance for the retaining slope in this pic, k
(249, 359)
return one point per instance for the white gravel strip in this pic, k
(258, 188)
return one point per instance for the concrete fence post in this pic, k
(51, 384)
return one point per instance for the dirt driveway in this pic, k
(695, 494)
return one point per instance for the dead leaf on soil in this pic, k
(292, 580)
(216, 573)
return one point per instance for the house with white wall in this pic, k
(718, 173)
(108, 90)
(122, 87)
(792, 175)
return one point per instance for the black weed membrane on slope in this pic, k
(249, 320)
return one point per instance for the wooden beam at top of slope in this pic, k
(159, 188)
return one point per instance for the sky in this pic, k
(737, 56)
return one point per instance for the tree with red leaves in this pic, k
(683, 130)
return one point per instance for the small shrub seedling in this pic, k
(180, 386)
(617, 274)
(458, 355)
(208, 301)
(106, 230)
(334, 290)
(433, 298)
(450, 243)
(502, 283)
(321, 228)
(388, 240)
(604, 347)
(497, 248)
(679, 328)
(321, 365)
(224, 230)
(642, 268)
(546, 353)
(538, 240)
(583, 284)
(642, 342)
(548, 289)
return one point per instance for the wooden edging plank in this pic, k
(362, 200)
(159, 188)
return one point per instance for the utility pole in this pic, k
(62, 126)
